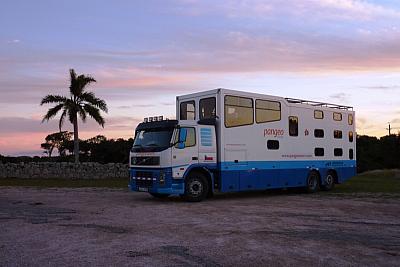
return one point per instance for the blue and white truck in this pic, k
(229, 141)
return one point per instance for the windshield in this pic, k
(152, 140)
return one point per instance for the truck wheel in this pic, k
(312, 182)
(157, 195)
(196, 187)
(329, 181)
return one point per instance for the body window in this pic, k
(351, 137)
(319, 152)
(238, 111)
(319, 133)
(293, 126)
(207, 108)
(337, 134)
(338, 152)
(267, 111)
(350, 119)
(318, 114)
(273, 144)
(337, 116)
(187, 110)
(351, 153)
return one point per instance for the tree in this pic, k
(56, 140)
(79, 103)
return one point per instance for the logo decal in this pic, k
(274, 132)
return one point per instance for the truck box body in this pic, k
(248, 141)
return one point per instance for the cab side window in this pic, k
(190, 137)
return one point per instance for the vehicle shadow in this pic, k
(229, 196)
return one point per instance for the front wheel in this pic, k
(196, 187)
(312, 182)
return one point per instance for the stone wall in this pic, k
(63, 170)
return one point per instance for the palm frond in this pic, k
(93, 100)
(72, 113)
(82, 113)
(79, 84)
(72, 74)
(73, 81)
(62, 118)
(94, 112)
(53, 99)
(52, 112)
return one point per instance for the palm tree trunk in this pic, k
(76, 140)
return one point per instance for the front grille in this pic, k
(148, 161)
(144, 179)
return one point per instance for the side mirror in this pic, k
(182, 135)
(182, 138)
(181, 145)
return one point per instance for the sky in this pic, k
(145, 53)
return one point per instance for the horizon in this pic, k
(145, 54)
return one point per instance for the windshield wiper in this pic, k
(152, 144)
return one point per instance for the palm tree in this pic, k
(79, 102)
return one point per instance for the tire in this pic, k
(160, 196)
(196, 187)
(312, 182)
(329, 181)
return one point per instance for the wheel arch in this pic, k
(206, 172)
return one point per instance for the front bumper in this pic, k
(148, 180)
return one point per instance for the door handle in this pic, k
(195, 158)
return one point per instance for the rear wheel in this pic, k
(312, 182)
(196, 187)
(157, 195)
(329, 181)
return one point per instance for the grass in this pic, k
(37, 182)
(380, 181)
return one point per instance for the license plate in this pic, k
(143, 189)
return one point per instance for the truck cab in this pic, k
(171, 157)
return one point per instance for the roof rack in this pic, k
(317, 104)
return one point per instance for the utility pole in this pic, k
(390, 129)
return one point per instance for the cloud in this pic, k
(308, 9)
(15, 41)
(24, 135)
(355, 9)
(11, 125)
(382, 87)
(341, 97)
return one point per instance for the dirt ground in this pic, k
(114, 227)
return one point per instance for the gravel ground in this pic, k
(111, 227)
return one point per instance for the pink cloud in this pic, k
(20, 135)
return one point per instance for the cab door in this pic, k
(185, 152)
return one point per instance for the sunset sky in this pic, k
(144, 53)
